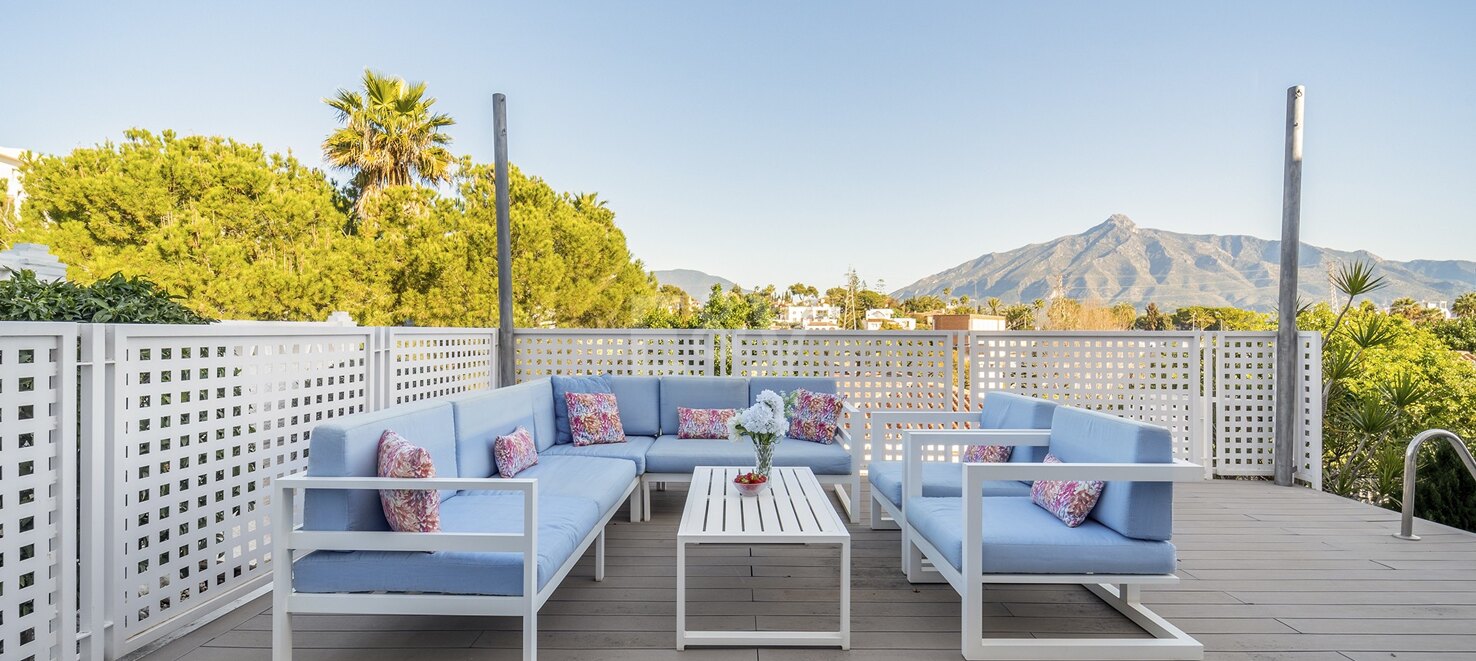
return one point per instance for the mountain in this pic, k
(1117, 261)
(696, 283)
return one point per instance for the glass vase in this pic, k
(763, 455)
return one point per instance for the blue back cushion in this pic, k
(784, 384)
(639, 400)
(700, 392)
(1143, 510)
(568, 384)
(483, 416)
(349, 447)
(1007, 410)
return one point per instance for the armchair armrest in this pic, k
(914, 443)
(1178, 471)
(525, 542)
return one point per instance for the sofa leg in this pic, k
(636, 515)
(281, 630)
(912, 560)
(646, 497)
(600, 557)
(530, 635)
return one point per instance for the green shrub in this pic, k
(1443, 491)
(111, 300)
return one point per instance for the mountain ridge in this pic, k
(696, 283)
(1117, 261)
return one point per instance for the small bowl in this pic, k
(750, 489)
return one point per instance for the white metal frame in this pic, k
(1122, 592)
(792, 511)
(286, 601)
(847, 487)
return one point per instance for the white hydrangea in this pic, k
(764, 417)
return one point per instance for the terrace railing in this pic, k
(138, 460)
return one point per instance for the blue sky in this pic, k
(773, 143)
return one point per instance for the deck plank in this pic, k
(1268, 573)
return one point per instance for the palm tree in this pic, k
(389, 135)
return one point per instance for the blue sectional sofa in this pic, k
(976, 539)
(505, 544)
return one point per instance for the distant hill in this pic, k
(696, 283)
(1117, 261)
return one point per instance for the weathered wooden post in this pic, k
(1288, 376)
(505, 372)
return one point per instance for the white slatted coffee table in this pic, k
(793, 510)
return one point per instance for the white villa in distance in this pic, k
(878, 318)
(10, 172)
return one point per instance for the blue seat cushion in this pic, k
(639, 401)
(1137, 509)
(349, 447)
(563, 522)
(670, 454)
(633, 449)
(567, 384)
(699, 392)
(1020, 537)
(939, 479)
(603, 480)
(1007, 410)
(483, 416)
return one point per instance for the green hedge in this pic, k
(111, 300)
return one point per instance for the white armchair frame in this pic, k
(1122, 592)
(291, 541)
(847, 487)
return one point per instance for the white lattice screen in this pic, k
(540, 353)
(1242, 396)
(204, 418)
(425, 363)
(893, 371)
(1152, 377)
(38, 451)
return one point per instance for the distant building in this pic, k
(879, 318)
(968, 322)
(820, 324)
(10, 171)
(803, 314)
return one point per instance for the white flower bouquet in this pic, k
(763, 424)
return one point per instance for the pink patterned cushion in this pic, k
(1069, 500)
(815, 416)
(514, 453)
(987, 454)
(703, 423)
(593, 418)
(408, 510)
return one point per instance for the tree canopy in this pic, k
(390, 136)
(239, 233)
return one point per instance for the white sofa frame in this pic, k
(1122, 592)
(885, 515)
(286, 601)
(847, 487)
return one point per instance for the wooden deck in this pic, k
(1268, 573)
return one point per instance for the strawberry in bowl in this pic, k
(750, 483)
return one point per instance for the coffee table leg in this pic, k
(845, 595)
(681, 597)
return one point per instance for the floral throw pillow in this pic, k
(987, 454)
(703, 423)
(514, 453)
(594, 418)
(408, 510)
(815, 417)
(1068, 500)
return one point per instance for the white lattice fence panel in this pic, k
(540, 353)
(204, 419)
(1243, 396)
(426, 363)
(892, 370)
(1147, 376)
(1309, 468)
(37, 491)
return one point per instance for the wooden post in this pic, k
(1288, 376)
(505, 372)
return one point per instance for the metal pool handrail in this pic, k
(1411, 454)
